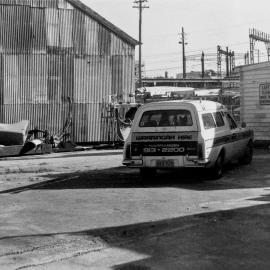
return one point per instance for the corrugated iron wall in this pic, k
(50, 51)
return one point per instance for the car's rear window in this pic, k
(166, 118)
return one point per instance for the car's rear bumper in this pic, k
(151, 163)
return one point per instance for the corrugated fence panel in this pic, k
(115, 45)
(80, 122)
(78, 32)
(68, 77)
(79, 80)
(91, 31)
(34, 3)
(11, 79)
(66, 19)
(119, 47)
(38, 25)
(105, 82)
(95, 78)
(62, 4)
(117, 76)
(52, 27)
(43, 116)
(104, 41)
(92, 79)
(88, 123)
(2, 31)
(8, 38)
(127, 78)
(39, 78)
(7, 2)
(54, 78)
(24, 92)
(1, 81)
(23, 28)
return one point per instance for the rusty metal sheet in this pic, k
(91, 28)
(115, 45)
(11, 79)
(1, 80)
(67, 77)
(62, 4)
(8, 37)
(128, 78)
(2, 31)
(39, 78)
(117, 76)
(52, 27)
(32, 3)
(24, 94)
(16, 31)
(8, 2)
(87, 123)
(22, 23)
(78, 32)
(54, 78)
(44, 116)
(65, 20)
(92, 79)
(104, 41)
(38, 26)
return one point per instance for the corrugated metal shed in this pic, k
(54, 49)
(255, 98)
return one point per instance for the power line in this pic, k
(205, 49)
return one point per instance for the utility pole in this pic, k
(246, 58)
(227, 62)
(140, 5)
(256, 35)
(183, 52)
(258, 54)
(230, 65)
(202, 61)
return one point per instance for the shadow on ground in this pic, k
(235, 177)
(234, 239)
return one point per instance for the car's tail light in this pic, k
(128, 151)
(200, 150)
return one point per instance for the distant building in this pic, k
(54, 49)
(255, 99)
(198, 74)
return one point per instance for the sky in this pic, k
(207, 23)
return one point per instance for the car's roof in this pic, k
(200, 105)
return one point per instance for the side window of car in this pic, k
(208, 121)
(219, 119)
(231, 121)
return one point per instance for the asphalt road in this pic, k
(85, 211)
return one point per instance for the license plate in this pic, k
(167, 163)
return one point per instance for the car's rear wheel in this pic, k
(217, 171)
(148, 174)
(248, 154)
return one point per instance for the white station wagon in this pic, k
(187, 133)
